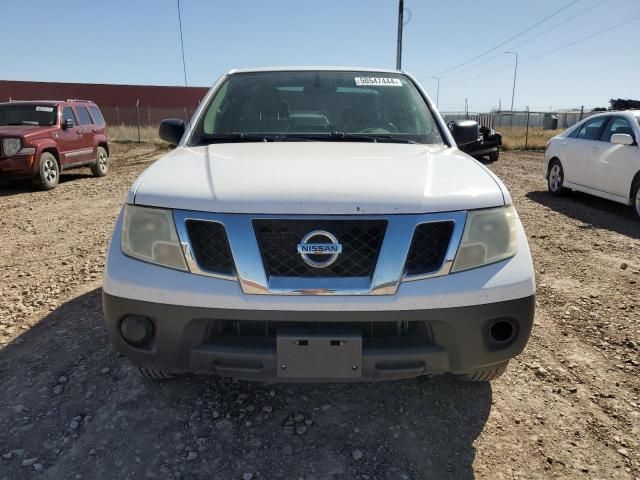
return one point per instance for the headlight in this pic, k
(149, 234)
(11, 146)
(489, 237)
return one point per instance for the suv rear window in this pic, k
(98, 119)
(83, 115)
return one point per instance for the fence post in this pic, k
(526, 135)
(581, 111)
(138, 114)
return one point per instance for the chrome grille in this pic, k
(360, 239)
(428, 247)
(210, 246)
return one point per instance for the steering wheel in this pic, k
(390, 128)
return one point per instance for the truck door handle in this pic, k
(595, 149)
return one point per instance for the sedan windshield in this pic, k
(317, 105)
(27, 114)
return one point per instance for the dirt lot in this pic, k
(70, 407)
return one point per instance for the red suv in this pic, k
(39, 139)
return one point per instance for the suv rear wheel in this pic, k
(49, 172)
(100, 168)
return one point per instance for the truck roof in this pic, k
(314, 68)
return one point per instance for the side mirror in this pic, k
(67, 123)
(171, 130)
(622, 139)
(465, 131)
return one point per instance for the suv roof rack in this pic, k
(78, 100)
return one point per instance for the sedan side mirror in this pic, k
(465, 131)
(67, 123)
(622, 139)
(171, 130)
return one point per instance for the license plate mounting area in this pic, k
(328, 354)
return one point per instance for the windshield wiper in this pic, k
(361, 137)
(237, 137)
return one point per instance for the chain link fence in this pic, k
(520, 129)
(523, 129)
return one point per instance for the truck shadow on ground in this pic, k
(15, 187)
(84, 410)
(594, 211)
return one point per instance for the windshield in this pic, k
(27, 114)
(317, 105)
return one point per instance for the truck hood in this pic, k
(318, 178)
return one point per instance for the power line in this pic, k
(539, 22)
(184, 64)
(549, 52)
(612, 27)
(530, 39)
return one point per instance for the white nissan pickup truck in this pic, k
(318, 224)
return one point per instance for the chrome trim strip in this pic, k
(386, 279)
(76, 153)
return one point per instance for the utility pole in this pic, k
(515, 74)
(437, 92)
(400, 23)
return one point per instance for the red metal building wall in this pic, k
(117, 102)
(104, 94)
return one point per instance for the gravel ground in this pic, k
(71, 408)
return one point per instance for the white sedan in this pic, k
(599, 156)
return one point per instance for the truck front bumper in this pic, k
(455, 323)
(394, 344)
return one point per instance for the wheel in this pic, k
(49, 172)
(636, 197)
(555, 178)
(100, 168)
(493, 156)
(153, 373)
(484, 375)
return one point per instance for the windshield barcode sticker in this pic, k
(377, 82)
(44, 109)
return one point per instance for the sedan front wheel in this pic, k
(636, 196)
(555, 179)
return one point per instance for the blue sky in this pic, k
(127, 41)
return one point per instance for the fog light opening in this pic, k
(136, 330)
(502, 331)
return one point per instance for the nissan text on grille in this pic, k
(318, 224)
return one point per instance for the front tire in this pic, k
(494, 156)
(100, 168)
(48, 173)
(555, 178)
(153, 373)
(485, 375)
(636, 198)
